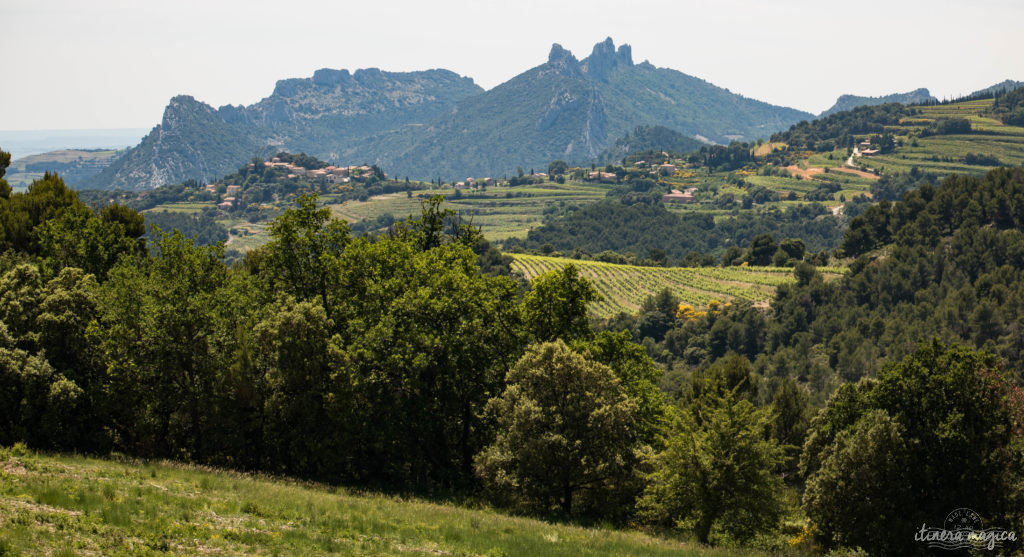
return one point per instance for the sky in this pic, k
(85, 64)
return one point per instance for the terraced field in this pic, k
(501, 212)
(624, 287)
(944, 154)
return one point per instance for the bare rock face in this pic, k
(604, 58)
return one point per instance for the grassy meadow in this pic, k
(72, 505)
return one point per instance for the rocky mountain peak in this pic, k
(563, 61)
(604, 57)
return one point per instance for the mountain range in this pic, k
(436, 123)
(325, 115)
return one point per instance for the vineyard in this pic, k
(624, 287)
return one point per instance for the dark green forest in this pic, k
(641, 227)
(412, 362)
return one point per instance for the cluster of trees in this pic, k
(947, 126)
(840, 130)
(640, 228)
(723, 158)
(201, 227)
(892, 185)
(1009, 108)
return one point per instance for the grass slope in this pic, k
(624, 287)
(69, 505)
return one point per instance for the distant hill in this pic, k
(849, 102)
(437, 124)
(649, 138)
(326, 115)
(1001, 87)
(75, 166)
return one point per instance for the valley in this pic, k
(600, 308)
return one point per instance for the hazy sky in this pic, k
(114, 64)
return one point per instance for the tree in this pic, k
(566, 435)
(716, 474)
(804, 273)
(556, 305)
(302, 255)
(637, 374)
(790, 421)
(794, 249)
(426, 342)
(861, 485)
(5, 161)
(761, 250)
(558, 167)
(305, 430)
(940, 429)
(166, 327)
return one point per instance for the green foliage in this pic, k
(558, 167)
(5, 161)
(637, 374)
(716, 475)
(202, 227)
(761, 250)
(862, 484)
(639, 228)
(556, 306)
(1009, 108)
(165, 329)
(302, 256)
(840, 130)
(565, 435)
(939, 429)
(50, 222)
(427, 340)
(949, 126)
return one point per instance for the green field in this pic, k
(624, 287)
(501, 212)
(70, 505)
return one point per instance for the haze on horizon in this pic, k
(110, 64)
